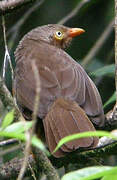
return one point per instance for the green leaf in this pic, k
(38, 143)
(19, 127)
(82, 135)
(8, 119)
(90, 173)
(20, 136)
(110, 176)
(16, 130)
(110, 100)
(106, 70)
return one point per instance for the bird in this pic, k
(69, 100)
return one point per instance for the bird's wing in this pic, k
(76, 85)
(67, 118)
(60, 76)
(25, 84)
(92, 104)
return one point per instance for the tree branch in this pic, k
(116, 47)
(11, 168)
(8, 101)
(112, 115)
(45, 164)
(9, 5)
(98, 44)
(41, 158)
(73, 12)
(29, 134)
(14, 30)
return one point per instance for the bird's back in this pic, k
(60, 76)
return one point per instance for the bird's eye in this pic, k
(59, 35)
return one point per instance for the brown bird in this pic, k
(69, 100)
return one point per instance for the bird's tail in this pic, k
(66, 118)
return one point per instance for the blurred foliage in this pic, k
(110, 100)
(108, 70)
(91, 173)
(94, 17)
(18, 130)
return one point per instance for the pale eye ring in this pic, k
(59, 34)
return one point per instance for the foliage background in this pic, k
(94, 17)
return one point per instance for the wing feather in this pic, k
(60, 76)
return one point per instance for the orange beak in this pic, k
(75, 32)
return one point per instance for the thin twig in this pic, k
(32, 171)
(9, 150)
(7, 100)
(14, 31)
(25, 17)
(112, 116)
(29, 165)
(7, 56)
(27, 153)
(98, 44)
(37, 97)
(11, 169)
(34, 118)
(45, 164)
(8, 142)
(15, 164)
(116, 47)
(73, 12)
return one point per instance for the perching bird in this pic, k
(69, 100)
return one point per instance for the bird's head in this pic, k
(54, 34)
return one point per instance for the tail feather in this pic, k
(56, 133)
(66, 118)
(50, 138)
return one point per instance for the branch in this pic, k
(40, 157)
(112, 115)
(8, 101)
(116, 47)
(8, 142)
(98, 44)
(73, 12)
(44, 163)
(82, 157)
(7, 56)
(11, 168)
(14, 30)
(29, 134)
(9, 5)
